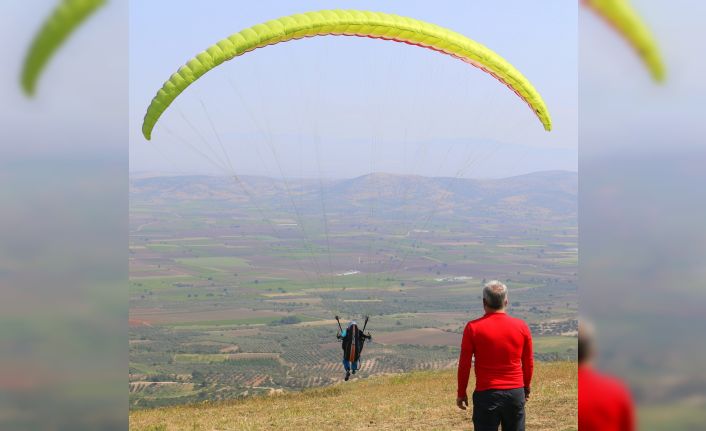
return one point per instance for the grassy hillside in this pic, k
(413, 401)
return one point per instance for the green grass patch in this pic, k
(671, 416)
(200, 358)
(554, 343)
(226, 322)
(213, 264)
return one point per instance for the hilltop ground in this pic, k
(412, 401)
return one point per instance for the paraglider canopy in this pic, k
(67, 16)
(376, 25)
(626, 21)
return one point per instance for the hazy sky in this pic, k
(81, 99)
(370, 105)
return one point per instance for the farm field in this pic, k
(231, 298)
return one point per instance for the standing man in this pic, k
(605, 403)
(502, 347)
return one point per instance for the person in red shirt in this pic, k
(502, 347)
(605, 403)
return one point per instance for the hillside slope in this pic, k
(414, 401)
(539, 194)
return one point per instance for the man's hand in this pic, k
(462, 402)
(527, 393)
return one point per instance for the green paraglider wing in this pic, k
(375, 25)
(67, 16)
(621, 15)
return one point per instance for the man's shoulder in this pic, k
(475, 321)
(518, 321)
(610, 388)
(606, 380)
(514, 320)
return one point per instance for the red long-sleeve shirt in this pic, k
(604, 403)
(502, 346)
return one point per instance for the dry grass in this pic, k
(414, 401)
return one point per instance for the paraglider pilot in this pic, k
(352, 340)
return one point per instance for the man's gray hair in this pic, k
(495, 294)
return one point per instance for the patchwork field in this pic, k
(231, 298)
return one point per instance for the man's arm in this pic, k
(628, 413)
(464, 366)
(527, 361)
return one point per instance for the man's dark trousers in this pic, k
(496, 407)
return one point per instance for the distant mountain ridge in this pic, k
(550, 192)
